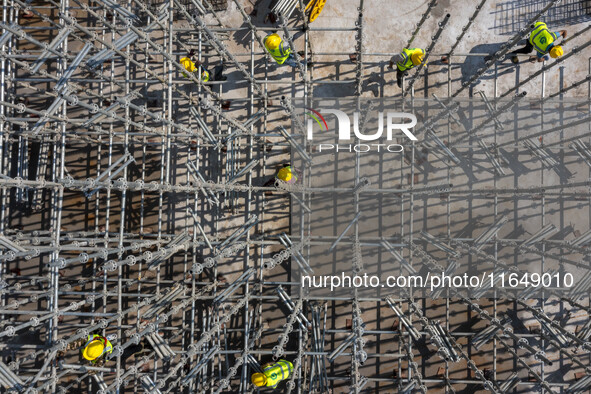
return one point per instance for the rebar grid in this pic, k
(133, 204)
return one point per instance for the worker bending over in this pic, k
(281, 54)
(543, 41)
(405, 60)
(195, 67)
(272, 374)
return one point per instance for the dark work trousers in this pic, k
(217, 73)
(399, 76)
(525, 50)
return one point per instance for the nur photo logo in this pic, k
(389, 125)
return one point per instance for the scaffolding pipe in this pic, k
(547, 67)
(418, 26)
(466, 27)
(506, 47)
(334, 244)
(428, 51)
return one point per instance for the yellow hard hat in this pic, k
(93, 350)
(273, 41)
(417, 58)
(556, 51)
(188, 64)
(285, 174)
(259, 379)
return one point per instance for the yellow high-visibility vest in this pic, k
(108, 347)
(406, 63)
(280, 54)
(541, 38)
(204, 75)
(191, 67)
(277, 372)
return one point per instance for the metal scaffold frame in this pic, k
(131, 205)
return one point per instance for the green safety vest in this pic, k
(541, 38)
(108, 347)
(204, 74)
(277, 372)
(406, 63)
(280, 54)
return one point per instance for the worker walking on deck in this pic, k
(272, 374)
(279, 52)
(543, 41)
(406, 60)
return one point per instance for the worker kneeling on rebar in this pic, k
(95, 348)
(406, 60)
(272, 374)
(543, 41)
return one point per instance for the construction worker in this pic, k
(287, 174)
(94, 347)
(543, 41)
(405, 60)
(272, 374)
(194, 66)
(281, 54)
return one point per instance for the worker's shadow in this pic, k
(474, 63)
(374, 83)
(558, 375)
(242, 37)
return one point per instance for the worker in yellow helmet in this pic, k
(287, 174)
(272, 374)
(543, 41)
(281, 53)
(95, 348)
(194, 66)
(406, 60)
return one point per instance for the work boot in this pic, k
(515, 60)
